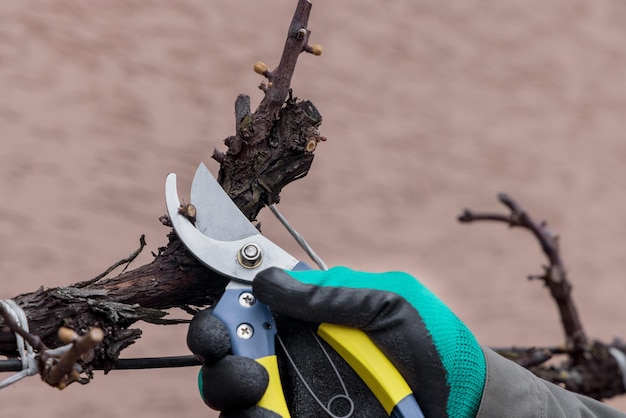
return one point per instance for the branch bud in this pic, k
(67, 335)
(261, 68)
(315, 49)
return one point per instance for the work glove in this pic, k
(433, 350)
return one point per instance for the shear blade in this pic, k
(220, 255)
(209, 199)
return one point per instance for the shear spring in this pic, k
(311, 253)
(328, 406)
(299, 239)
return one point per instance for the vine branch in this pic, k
(554, 275)
(589, 368)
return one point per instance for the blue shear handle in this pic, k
(252, 329)
(251, 326)
(407, 408)
(301, 266)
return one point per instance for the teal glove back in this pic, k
(430, 346)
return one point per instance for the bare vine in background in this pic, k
(589, 366)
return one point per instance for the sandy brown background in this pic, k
(428, 106)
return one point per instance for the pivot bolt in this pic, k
(245, 331)
(250, 256)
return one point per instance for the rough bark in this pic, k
(173, 279)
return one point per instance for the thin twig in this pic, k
(297, 42)
(127, 261)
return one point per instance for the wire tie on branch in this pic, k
(24, 349)
(58, 365)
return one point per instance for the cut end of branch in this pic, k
(188, 211)
(218, 156)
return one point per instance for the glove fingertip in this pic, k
(254, 412)
(207, 337)
(233, 383)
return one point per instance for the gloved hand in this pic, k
(433, 350)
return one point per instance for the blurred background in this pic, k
(429, 107)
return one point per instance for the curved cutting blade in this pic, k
(210, 200)
(220, 255)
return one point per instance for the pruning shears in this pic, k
(225, 241)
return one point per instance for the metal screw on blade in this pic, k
(245, 331)
(250, 256)
(247, 299)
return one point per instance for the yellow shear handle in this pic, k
(274, 398)
(378, 373)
